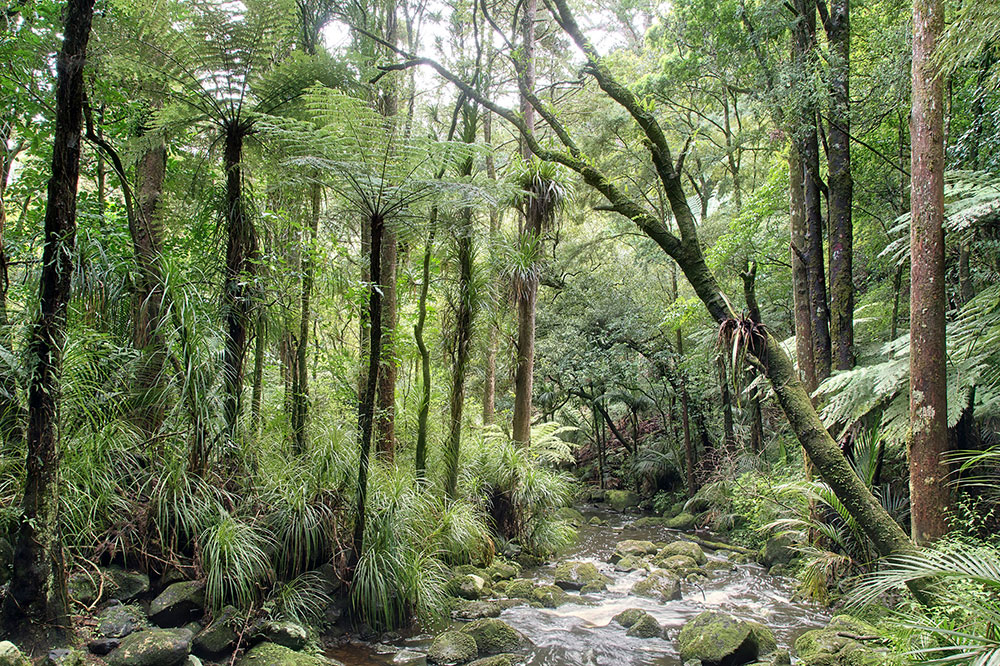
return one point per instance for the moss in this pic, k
(452, 647)
(474, 610)
(520, 588)
(467, 586)
(629, 617)
(659, 585)
(493, 636)
(154, 647)
(502, 570)
(576, 575)
(718, 638)
(650, 521)
(645, 627)
(688, 548)
(620, 500)
(832, 645)
(178, 603)
(677, 563)
(550, 596)
(683, 521)
(634, 548)
(10, 655)
(272, 654)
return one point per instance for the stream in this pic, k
(583, 634)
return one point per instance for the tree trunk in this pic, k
(300, 408)
(930, 498)
(257, 394)
(11, 410)
(490, 379)
(728, 428)
(425, 355)
(241, 250)
(462, 343)
(37, 592)
(800, 273)
(837, 25)
(366, 406)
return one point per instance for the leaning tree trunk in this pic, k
(241, 249)
(37, 591)
(930, 497)
(841, 185)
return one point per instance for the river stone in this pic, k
(830, 647)
(634, 548)
(688, 548)
(408, 657)
(495, 660)
(219, 635)
(596, 586)
(645, 626)
(622, 500)
(719, 639)
(272, 654)
(493, 636)
(177, 604)
(550, 596)
(659, 585)
(475, 610)
(153, 647)
(503, 570)
(683, 521)
(650, 521)
(677, 562)
(629, 617)
(64, 657)
(466, 586)
(126, 585)
(192, 661)
(119, 621)
(10, 655)
(82, 588)
(452, 647)
(570, 515)
(520, 588)
(777, 550)
(631, 563)
(291, 635)
(597, 521)
(574, 575)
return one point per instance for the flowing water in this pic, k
(582, 634)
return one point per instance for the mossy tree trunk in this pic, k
(37, 592)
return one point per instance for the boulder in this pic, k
(272, 654)
(645, 626)
(503, 570)
(677, 563)
(777, 550)
(682, 521)
(634, 548)
(475, 610)
(179, 603)
(597, 521)
(575, 575)
(719, 639)
(650, 521)
(629, 616)
(220, 635)
(466, 586)
(65, 657)
(622, 500)
(659, 585)
(10, 655)
(570, 515)
(675, 509)
(520, 588)
(282, 632)
(688, 548)
(452, 647)
(82, 588)
(631, 563)
(126, 585)
(495, 660)
(595, 586)
(832, 646)
(119, 621)
(153, 647)
(103, 646)
(493, 636)
(550, 596)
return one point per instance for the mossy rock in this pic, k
(452, 647)
(467, 586)
(596, 586)
(65, 657)
(634, 548)
(650, 521)
(119, 621)
(631, 563)
(622, 500)
(719, 639)
(82, 588)
(629, 617)
(682, 521)
(645, 627)
(291, 635)
(520, 588)
(831, 647)
(475, 610)
(178, 604)
(502, 570)
(153, 647)
(659, 585)
(777, 550)
(220, 635)
(570, 515)
(10, 655)
(550, 596)
(676, 509)
(688, 548)
(272, 654)
(575, 575)
(493, 636)
(677, 563)
(597, 521)
(126, 585)
(494, 660)
(719, 565)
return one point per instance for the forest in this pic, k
(496, 332)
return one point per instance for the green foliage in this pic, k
(235, 556)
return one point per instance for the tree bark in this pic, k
(462, 344)
(800, 273)
(841, 184)
(300, 407)
(728, 428)
(490, 379)
(11, 410)
(425, 355)
(930, 498)
(37, 593)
